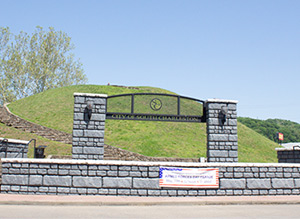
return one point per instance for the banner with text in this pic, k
(189, 177)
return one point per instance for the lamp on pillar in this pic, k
(223, 114)
(89, 108)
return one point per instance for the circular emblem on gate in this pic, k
(156, 104)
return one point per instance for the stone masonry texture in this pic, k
(88, 132)
(222, 140)
(132, 178)
(288, 155)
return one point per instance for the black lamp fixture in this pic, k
(223, 114)
(89, 107)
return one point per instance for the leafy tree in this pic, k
(30, 64)
(270, 127)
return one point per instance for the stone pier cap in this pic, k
(90, 95)
(15, 141)
(288, 149)
(215, 100)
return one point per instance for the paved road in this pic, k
(16, 199)
(176, 211)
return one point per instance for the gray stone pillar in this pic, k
(88, 126)
(222, 140)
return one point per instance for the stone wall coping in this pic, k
(15, 141)
(288, 149)
(143, 163)
(90, 95)
(221, 101)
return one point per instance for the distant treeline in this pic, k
(269, 128)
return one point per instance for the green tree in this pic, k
(270, 127)
(30, 64)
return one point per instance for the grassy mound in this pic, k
(54, 109)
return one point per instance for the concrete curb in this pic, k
(75, 200)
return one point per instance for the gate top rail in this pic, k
(157, 104)
(158, 94)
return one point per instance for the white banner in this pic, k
(189, 177)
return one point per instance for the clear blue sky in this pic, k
(235, 49)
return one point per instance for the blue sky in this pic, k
(230, 49)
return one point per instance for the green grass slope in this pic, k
(54, 109)
(255, 148)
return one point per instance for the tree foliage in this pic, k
(269, 128)
(30, 64)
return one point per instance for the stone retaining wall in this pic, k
(86, 177)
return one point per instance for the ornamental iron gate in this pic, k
(92, 110)
(155, 107)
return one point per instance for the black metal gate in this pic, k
(155, 107)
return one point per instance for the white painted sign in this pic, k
(189, 177)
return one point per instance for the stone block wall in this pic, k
(80, 177)
(12, 148)
(222, 140)
(288, 155)
(88, 133)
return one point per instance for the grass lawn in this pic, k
(54, 109)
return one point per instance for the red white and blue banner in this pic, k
(189, 177)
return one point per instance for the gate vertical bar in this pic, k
(178, 105)
(132, 103)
